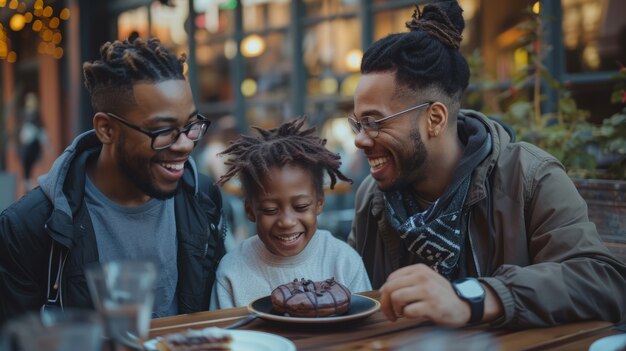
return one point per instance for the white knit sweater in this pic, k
(251, 271)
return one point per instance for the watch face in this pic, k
(470, 288)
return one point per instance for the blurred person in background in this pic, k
(211, 163)
(457, 224)
(32, 138)
(127, 189)
(217, 141)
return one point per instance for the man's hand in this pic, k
(417, 291)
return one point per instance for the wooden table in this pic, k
(376, 333)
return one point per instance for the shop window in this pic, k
(594, 35)
(168, 24)
(215, 16)
(261, 14)
(392, 21)
(315, 8)
(133, 22)
(268, 67)
(332, 53)
(214, 71)
(268, 115)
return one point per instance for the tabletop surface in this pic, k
(376, 333)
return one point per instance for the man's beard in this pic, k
(410, 167)
(138, 171)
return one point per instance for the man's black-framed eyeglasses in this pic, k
(371, 125)
(164, 138)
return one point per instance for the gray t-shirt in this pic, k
(146, 232)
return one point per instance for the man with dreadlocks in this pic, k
(125, 190)
(282, 178)
(456, 222)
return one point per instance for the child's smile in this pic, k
(289, 242)
(286, 214)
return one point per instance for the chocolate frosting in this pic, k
(301, 297)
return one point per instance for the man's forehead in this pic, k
(165, 92)
(376, 93)
(170, 98)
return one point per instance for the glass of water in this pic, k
(53, 330)
(122, 291)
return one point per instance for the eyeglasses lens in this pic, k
(194, 132)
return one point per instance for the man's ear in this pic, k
(103, 126)
(437, 119)
(249, 213)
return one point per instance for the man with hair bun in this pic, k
(457, 223)
(127, 189)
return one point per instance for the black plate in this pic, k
(360, 307)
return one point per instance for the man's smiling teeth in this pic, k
(289, 237)
(174, 166)
(377, 162)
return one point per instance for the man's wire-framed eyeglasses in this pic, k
(164, 138)
(371, 125)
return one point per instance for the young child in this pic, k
(282, 176)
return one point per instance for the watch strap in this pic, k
(477, 305)
(478, 310)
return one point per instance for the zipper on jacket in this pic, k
(469, 234)
(67, 253)
(210, 230)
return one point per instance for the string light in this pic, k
(64, 14)
(16, 23)
(42, 20)
(47, 11)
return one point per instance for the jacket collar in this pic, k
(499, 138)
(64, 185)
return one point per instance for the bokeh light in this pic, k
(11, 57)
(248, 87)
(252, 46)
(47, 11)
(65, 14)
(17, 22)
(54, 23)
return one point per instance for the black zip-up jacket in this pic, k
(55, 215)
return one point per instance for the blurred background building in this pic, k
(260, 62)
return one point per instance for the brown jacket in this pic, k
(530, 239)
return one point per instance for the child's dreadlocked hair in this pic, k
(427, 58)
(252, 157)
(125, 63)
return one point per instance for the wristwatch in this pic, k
(470, 290)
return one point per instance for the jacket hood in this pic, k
(70, 166)
(52, 182)
(500, 139)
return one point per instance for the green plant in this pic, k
(566, 132)
(611, 135)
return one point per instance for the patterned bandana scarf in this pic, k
(435, 234)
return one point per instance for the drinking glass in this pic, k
(122, 291)
(449, 340)
(53, 330)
